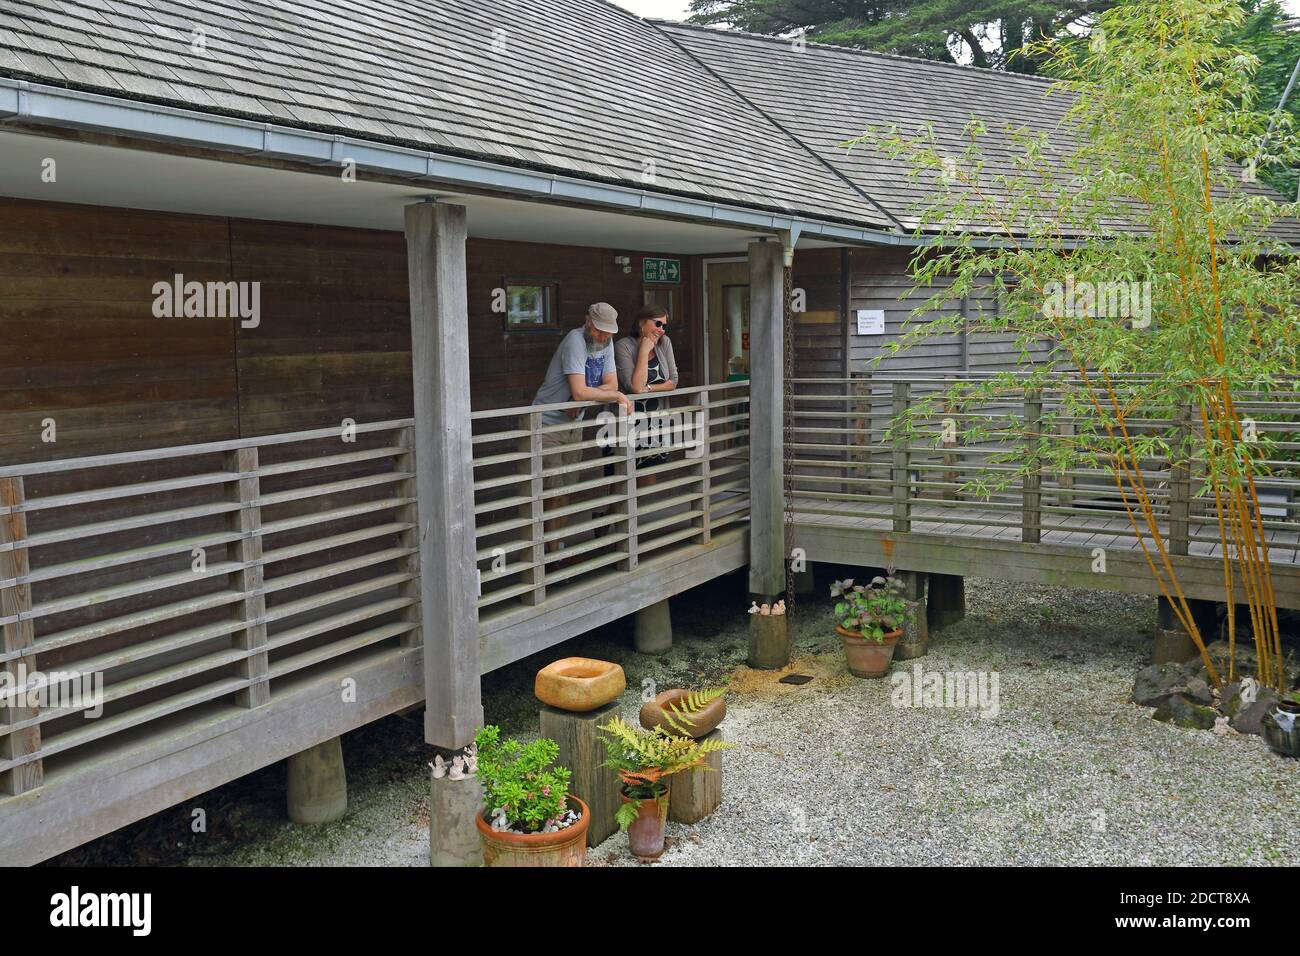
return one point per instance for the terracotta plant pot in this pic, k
(646, 834)
(567, 847)
(706, 721)
(868, 658)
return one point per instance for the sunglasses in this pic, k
(660, 325)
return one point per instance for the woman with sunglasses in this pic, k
(646, 364)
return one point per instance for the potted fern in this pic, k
(529, 817)
(644, 759)
(869, 621)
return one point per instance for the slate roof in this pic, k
(825, 95)
(578, 87)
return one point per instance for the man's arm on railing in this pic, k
(608, 392)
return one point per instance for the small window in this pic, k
(531, 306)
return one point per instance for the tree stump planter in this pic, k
(697, 793)
(567, 847)
(866, 658)
(645, 837)
(769, 641)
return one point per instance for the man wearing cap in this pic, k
(581, 370)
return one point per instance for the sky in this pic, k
(679, 9)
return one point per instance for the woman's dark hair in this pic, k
(647, 312)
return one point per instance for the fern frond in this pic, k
(682, 714)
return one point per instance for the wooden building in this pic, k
(276, 292)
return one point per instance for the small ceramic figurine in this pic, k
(457, 771)
(753, 607)
(439, 768)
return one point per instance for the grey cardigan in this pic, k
(625, 353)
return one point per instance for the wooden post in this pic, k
(248, 551)
(901, 479)
(536, 576)
(766, 419)
(1031, 492)
(435, 247)
(694, 794)
(17, 637)
(945, 600)
(1180, 481)
(583, 753)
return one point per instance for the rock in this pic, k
(705, 722)
(1181, 712)
(1156, 683)
(579, 684)
(1247, 719)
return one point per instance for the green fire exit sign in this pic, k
(661, 270)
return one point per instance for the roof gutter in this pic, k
(36, 103)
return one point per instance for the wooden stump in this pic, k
(769, 642)
(582, 752)
(697, 793)
(453, 835)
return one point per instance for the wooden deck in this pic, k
(863, 495)
(229, 593)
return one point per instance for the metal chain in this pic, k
(787, 424)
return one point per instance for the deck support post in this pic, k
(435, 248)
(766, 420)
(916, 633)
(652, 629)
(318, 784)
(945, 601)
(1173, 644)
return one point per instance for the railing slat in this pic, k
(255, 669)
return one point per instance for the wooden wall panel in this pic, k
(80, 343)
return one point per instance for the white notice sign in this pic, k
(871, 321)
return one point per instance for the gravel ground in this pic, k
(830, 772)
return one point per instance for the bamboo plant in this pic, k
(1148, 185)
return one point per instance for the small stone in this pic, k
(1181, 712)
(1247, 717)
(1156, 683)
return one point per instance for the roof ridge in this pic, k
(856, 51)
(796, 140)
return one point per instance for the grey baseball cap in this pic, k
(604, 317)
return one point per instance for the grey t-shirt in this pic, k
(572, 358)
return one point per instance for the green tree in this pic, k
(986, 33)
(1146, 190)
(1278, 51)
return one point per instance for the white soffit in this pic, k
(139, 179)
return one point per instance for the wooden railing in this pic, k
(191, 579)
(545, 521)
(846, 465)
